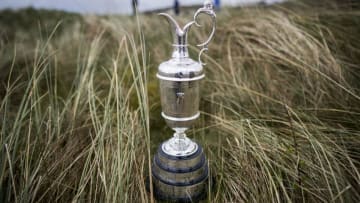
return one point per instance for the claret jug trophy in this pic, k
(180, 171)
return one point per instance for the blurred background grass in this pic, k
(80, 107)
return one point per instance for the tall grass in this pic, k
(281, 111)
(286, 111)
(79, 141)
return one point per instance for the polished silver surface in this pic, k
(209, 10)
(184, 69)
(180, 34)
(179, 100)
(180, 90)
(184, 119)
(179, 145)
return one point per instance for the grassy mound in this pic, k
(80, 112)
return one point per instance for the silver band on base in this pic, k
(179, 147)
(180, 119)
(180, 79)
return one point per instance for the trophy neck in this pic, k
(180, 47)
(180, 43)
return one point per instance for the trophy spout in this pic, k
(179, 36)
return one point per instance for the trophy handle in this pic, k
(209, 10)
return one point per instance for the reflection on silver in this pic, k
(180, 79)
(209, 10)
(179, 146)
(180, 119)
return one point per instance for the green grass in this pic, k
(80, 107)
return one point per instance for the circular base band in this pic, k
(186, 199)
(180, 179)
(192, 151)
(195, 198)
(184, 119)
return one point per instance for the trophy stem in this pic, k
(179, 145)
(180, 133)
(181, 142)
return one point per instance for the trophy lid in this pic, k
(180, 67)
(185, 69)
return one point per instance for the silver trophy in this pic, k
(180, 170)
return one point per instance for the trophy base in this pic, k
(180, 178)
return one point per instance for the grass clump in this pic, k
(79, 101)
